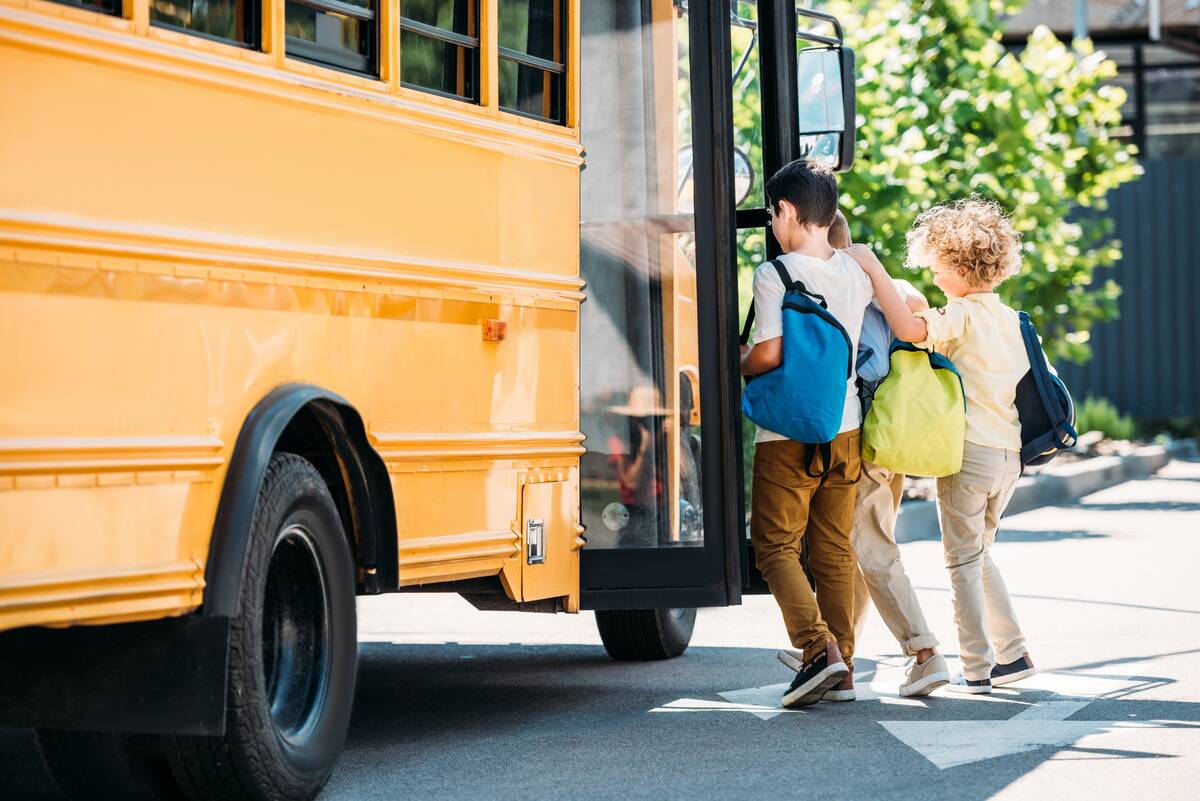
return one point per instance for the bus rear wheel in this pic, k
(292, 654)
(641, 634)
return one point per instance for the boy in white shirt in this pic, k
(788, 505)
(972, 248)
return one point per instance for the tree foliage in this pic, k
(945, 110)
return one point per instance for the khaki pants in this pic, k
(787, 508)
(970, 503)
(880, 569)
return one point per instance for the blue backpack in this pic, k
(1043, 404)
(803, 399)
(873, 359)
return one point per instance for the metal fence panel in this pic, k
(1147, 362)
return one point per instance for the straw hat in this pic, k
(644, 401)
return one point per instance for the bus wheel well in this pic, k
(326, 430)
(324, 433)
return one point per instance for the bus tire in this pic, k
(640, 634)
(293, 652)
(99, 766)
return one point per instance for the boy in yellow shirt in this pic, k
(972, 248)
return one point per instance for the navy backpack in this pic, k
(803, 399)
(1043, 404)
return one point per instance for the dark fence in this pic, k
(1147, 362)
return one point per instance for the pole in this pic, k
(1081, 21)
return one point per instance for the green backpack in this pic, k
(918, 419)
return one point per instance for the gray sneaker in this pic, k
(924, 678)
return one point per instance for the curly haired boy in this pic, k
(972, 248)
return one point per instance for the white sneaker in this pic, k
(924, 678)
(961, 684)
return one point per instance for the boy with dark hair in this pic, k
(788, 506)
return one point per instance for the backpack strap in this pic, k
(1064, 434)
(823, 450)
(792, 285)
(1037, 363)
(745, 337)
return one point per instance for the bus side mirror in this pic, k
(825, 113)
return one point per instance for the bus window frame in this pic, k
(252, 23)
(561, 69)
(473, 43)
(296, 48)
(118, 10)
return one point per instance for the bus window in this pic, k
(439, 47)
(103, 6)
(639, 364)
(533, 78)
(335, 34)
(234, 21)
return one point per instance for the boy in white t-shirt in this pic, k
(788, 506)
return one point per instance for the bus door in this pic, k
(651, 490)
(793, 97)
(666, 193)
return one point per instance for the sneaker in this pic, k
(793, 659)
(925, 677)
(816, 678)
(961, 684)
(843, 691)
(1014, 671)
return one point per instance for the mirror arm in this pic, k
(822, 17)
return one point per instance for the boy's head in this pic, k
(809, 189)
(969, 244)
(839, 232)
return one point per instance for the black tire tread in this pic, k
(638, 634)
(207, 768)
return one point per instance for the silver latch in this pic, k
(535, 542)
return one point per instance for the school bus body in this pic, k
(186, 227)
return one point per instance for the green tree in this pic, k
(946, 111)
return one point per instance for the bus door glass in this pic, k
(640, 379)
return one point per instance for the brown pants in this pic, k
(787, 508)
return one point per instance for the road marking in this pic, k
(946, 744)
(761, 711)
(1042, 724)
(950, 743)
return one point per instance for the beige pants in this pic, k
(970, 503)
(880, 574)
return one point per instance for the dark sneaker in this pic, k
(1014, 671)
(961, 684)
(816, 678)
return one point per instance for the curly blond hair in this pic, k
(972, 235)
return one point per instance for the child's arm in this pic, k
(763, 357)
(905, 325)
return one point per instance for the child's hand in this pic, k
(866, 259)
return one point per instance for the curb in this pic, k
(918, 519)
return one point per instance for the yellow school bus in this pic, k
(292, 303)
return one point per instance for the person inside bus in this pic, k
(638, 463)
(880, 575)
(787, 505)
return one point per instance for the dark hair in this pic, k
(811, 188)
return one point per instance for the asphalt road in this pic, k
(459, 704)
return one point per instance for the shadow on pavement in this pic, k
(1022, 535)
(466, 721)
